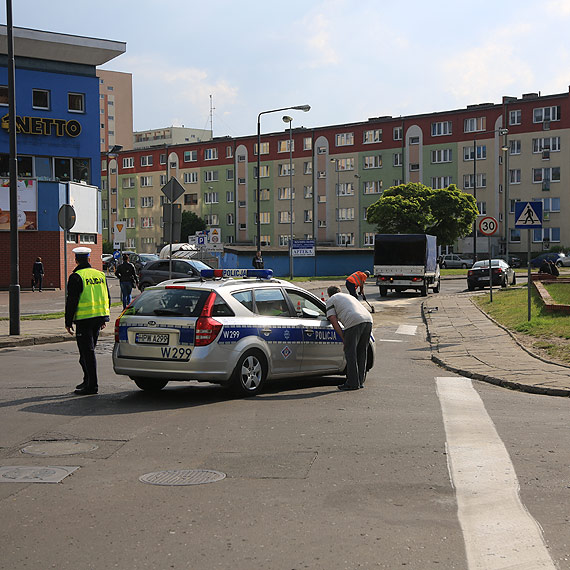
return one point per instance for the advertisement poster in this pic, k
(27, 204)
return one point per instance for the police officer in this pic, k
(86, 306)
(357, 279)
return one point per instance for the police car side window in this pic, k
(271, 303)
(245, 298)
(300, 302)
(221, 309)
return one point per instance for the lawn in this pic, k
(546, 333)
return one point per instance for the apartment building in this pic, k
(116, 109)
(169, 136)
(516, 150)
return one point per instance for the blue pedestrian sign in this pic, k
(528, 215)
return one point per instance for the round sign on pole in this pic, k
(488, 225)
(66, 217)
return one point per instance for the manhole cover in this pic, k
(182, 477)
(47, 448)
(26, 474)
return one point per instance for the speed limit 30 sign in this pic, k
(488, 225)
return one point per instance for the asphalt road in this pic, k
(315, 478)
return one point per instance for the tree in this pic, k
(190, 224)
(448, 213)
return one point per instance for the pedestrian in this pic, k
(127, 275)
(37, 274)
(86, 307)
(257, 260)
(545, 267)
(357, 279)
(357, 323)
(553, 269)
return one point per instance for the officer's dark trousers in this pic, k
(356, 340)
(86, 335)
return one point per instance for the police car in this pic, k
(234, 327)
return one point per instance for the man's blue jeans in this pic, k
(126, 289)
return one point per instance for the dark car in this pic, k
(139, 260)
(559, 259)
(156, 272)
(502, 273)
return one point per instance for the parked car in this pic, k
(139, 260)
(559, 259)
(502, 273)
(156, 272)
(106, 258)
(235, 332)
(512, 261)
(452, 260)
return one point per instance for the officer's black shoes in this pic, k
(86, 391)
(345, 387)
(81, 386)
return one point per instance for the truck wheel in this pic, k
(436, 289)
(424, 291)
(383, 291)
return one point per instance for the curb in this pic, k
(25, 340)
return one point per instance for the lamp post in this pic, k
(287, 119)
(475, 135)
(336, 162)
(112, 153)
(505, 149)
(211, 198)
(304, 108)
(357, 176)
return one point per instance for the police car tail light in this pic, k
(207, 328)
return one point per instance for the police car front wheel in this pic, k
(250, 373)
(149, 384)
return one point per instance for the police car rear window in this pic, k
(169, 302)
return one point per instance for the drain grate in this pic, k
(182, 477)
(49, 448)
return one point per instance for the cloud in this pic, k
(558, 7)
(319, 41)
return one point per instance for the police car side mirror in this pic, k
(310, 313)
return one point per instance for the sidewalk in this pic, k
(467, 342)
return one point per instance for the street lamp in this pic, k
(357, 176)
(304, 108)
(287, 119)
(505, 149)
(111, 153)
(336, 161)
(475, 135)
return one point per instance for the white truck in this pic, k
(406, 261)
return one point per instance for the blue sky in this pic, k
(350, 60)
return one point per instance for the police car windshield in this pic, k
(168, 302)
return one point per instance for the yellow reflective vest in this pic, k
(94, 299)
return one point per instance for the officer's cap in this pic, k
(82, 250)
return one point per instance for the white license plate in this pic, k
(484, 278)
(149, 338)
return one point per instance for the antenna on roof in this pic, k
(212, 116)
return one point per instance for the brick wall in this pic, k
(48, 246)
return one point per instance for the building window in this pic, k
(230, 196)
(283, 170)
(397, 159)
(344, 139)
(344, 164)
(552, 234)
(285, 193)
(129, 162)
(322, 150)
(263, 194)
(398, 133)
(468, 181)
(372, 187)
(369, 238)
(146, 160)
(146, 181)
(284, 217)
(441, 128)
(283, 146)
(190, 156)
(229, 174)
(147, 201)
(264, 171)
(4, 95)
(374, 161)
(481, 152)
(372, 136)
(442, 155)
(546, 174)
(439, 182)
(211, 198)
(549, 204)
(345, 189)
(130, 223)
(265, 218)
(229, 152)
(514, 147)
(190, 177)
(147, 222)
(40, 99)
(322, 199)
(129, 203)
(212, 220)
(548, 143)
(307, 143)
(474, 125)
(344, 214)
(210, 176)
(230, 219)
(345, 239)
(515, 176)
(414, 140)
(515, 117)
(284, 239)
(546, 114)
(414, 167)
(514, 236)
(264, 148)
(482, 207)
(308, 167)
(76, 102)
(210, 154)
(190, 199)
(308, 216)
(162, 180)
(307, 191)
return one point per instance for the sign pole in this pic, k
(490, 272)
(528, 282)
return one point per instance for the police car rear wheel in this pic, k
(149, 384)
(250, 373)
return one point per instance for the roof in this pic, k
(53, 46)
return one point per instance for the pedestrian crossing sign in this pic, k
(528, 215)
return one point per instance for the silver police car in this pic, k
(238, 332)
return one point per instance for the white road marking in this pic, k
(407, 329)
(387, 340)
(499, 532)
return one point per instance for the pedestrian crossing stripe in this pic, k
(528, 215)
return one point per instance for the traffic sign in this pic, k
(173, 189)
(120, 233)
(528, 215)
(215, 236)
(488, 226)
(66, 217)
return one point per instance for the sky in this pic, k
(348, 59)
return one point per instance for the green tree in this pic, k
(447, 213)
(190, 224)
(107, 246)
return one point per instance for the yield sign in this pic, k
(528, 215)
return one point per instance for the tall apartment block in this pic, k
(516, 150)
(116, 109)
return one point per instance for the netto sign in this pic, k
(44, 126)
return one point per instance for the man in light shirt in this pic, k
(355, 333)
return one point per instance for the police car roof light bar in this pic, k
(229, 273)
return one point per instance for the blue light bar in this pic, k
(228, 273)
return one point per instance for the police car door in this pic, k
(279, 329)
(322, 347)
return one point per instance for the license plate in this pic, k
(148, 338)
(484, 278)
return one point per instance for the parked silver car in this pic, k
(452, 260)
(238, 332)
